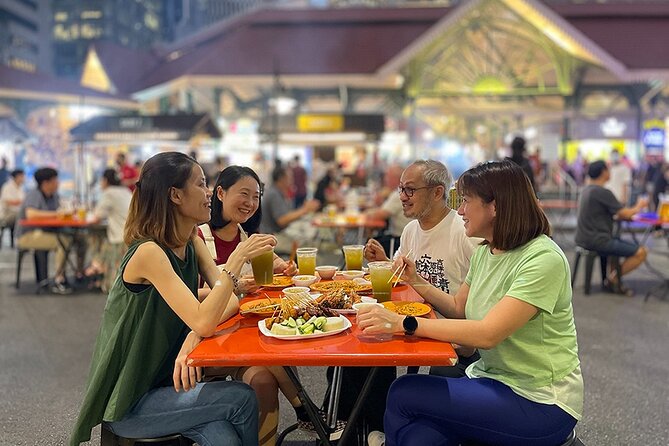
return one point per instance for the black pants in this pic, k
(374, 406)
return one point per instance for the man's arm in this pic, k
(38, 213)
(629, 212)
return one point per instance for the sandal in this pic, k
(616, 288)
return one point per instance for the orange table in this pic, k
(238, 342)
(63, 227)
(360, 222)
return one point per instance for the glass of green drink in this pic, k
(353, 255)
(263, 268)
(381, 274)
(306, 260)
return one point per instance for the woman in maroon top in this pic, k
(236, 212)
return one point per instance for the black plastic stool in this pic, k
(108, 438)
(590, 264)
(41, 266)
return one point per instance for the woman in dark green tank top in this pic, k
(139, 384)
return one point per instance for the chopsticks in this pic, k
(293, 252)
(400, 270)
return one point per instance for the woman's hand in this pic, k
(286, 268)
(185, 377)
(375, 319)
(374, 252)
(247, 285)
(255, 245)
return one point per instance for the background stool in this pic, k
(108, 438)
(41, 266)
(589, 265)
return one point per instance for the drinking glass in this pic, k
(377, 337)
(381, 274)
(353, 255)
(263, 268)
(306, 260)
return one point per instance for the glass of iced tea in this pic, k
(353, 254)
(381, 274)
(306, 260)
(263, 268)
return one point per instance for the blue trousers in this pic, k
(218, 413)
(426, 410)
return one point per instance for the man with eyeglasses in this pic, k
(436, 241)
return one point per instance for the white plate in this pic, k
(264, 330)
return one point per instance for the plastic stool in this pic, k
(108, 438)
(41, 266)
(590, 264)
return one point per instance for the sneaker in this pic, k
(61, 288)
(308, 426)
(376, 438)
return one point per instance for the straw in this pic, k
(400, 269)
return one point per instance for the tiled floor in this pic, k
(46, 342)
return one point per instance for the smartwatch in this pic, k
(410, 325)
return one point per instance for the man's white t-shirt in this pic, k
(10, 192)
(442, 253)
(621, 178)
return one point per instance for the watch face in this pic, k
(410, 325)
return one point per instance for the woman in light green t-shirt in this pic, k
(515, 307)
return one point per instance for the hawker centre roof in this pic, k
(490, 48)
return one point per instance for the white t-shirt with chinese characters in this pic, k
(442, 253)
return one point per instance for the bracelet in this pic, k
(235, 281)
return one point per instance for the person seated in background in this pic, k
(44, 202)
(278, 212)
(515, 306)
(597, 210)
(328, 189)
(112, 207)
(139, 382)
(11, 198)
(391, 210)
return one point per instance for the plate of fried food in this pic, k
(300, 317)
(341, 300)
(260, 307)
(408, 308)
(335, 285)
(279, 281)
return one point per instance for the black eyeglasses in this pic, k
(409, 191)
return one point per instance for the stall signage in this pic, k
(134, 123)
(653, 134)
(320, 123)
(610, 127)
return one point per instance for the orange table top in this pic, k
(558, 204)
(238, 342)
(55, 222)
(360, 221)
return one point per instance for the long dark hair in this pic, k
(227, 178)
(152, 213)
(519, 218)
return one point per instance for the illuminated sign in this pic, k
(320, 123)
(654, 134)
(612, 128)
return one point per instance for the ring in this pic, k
(388, 325)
